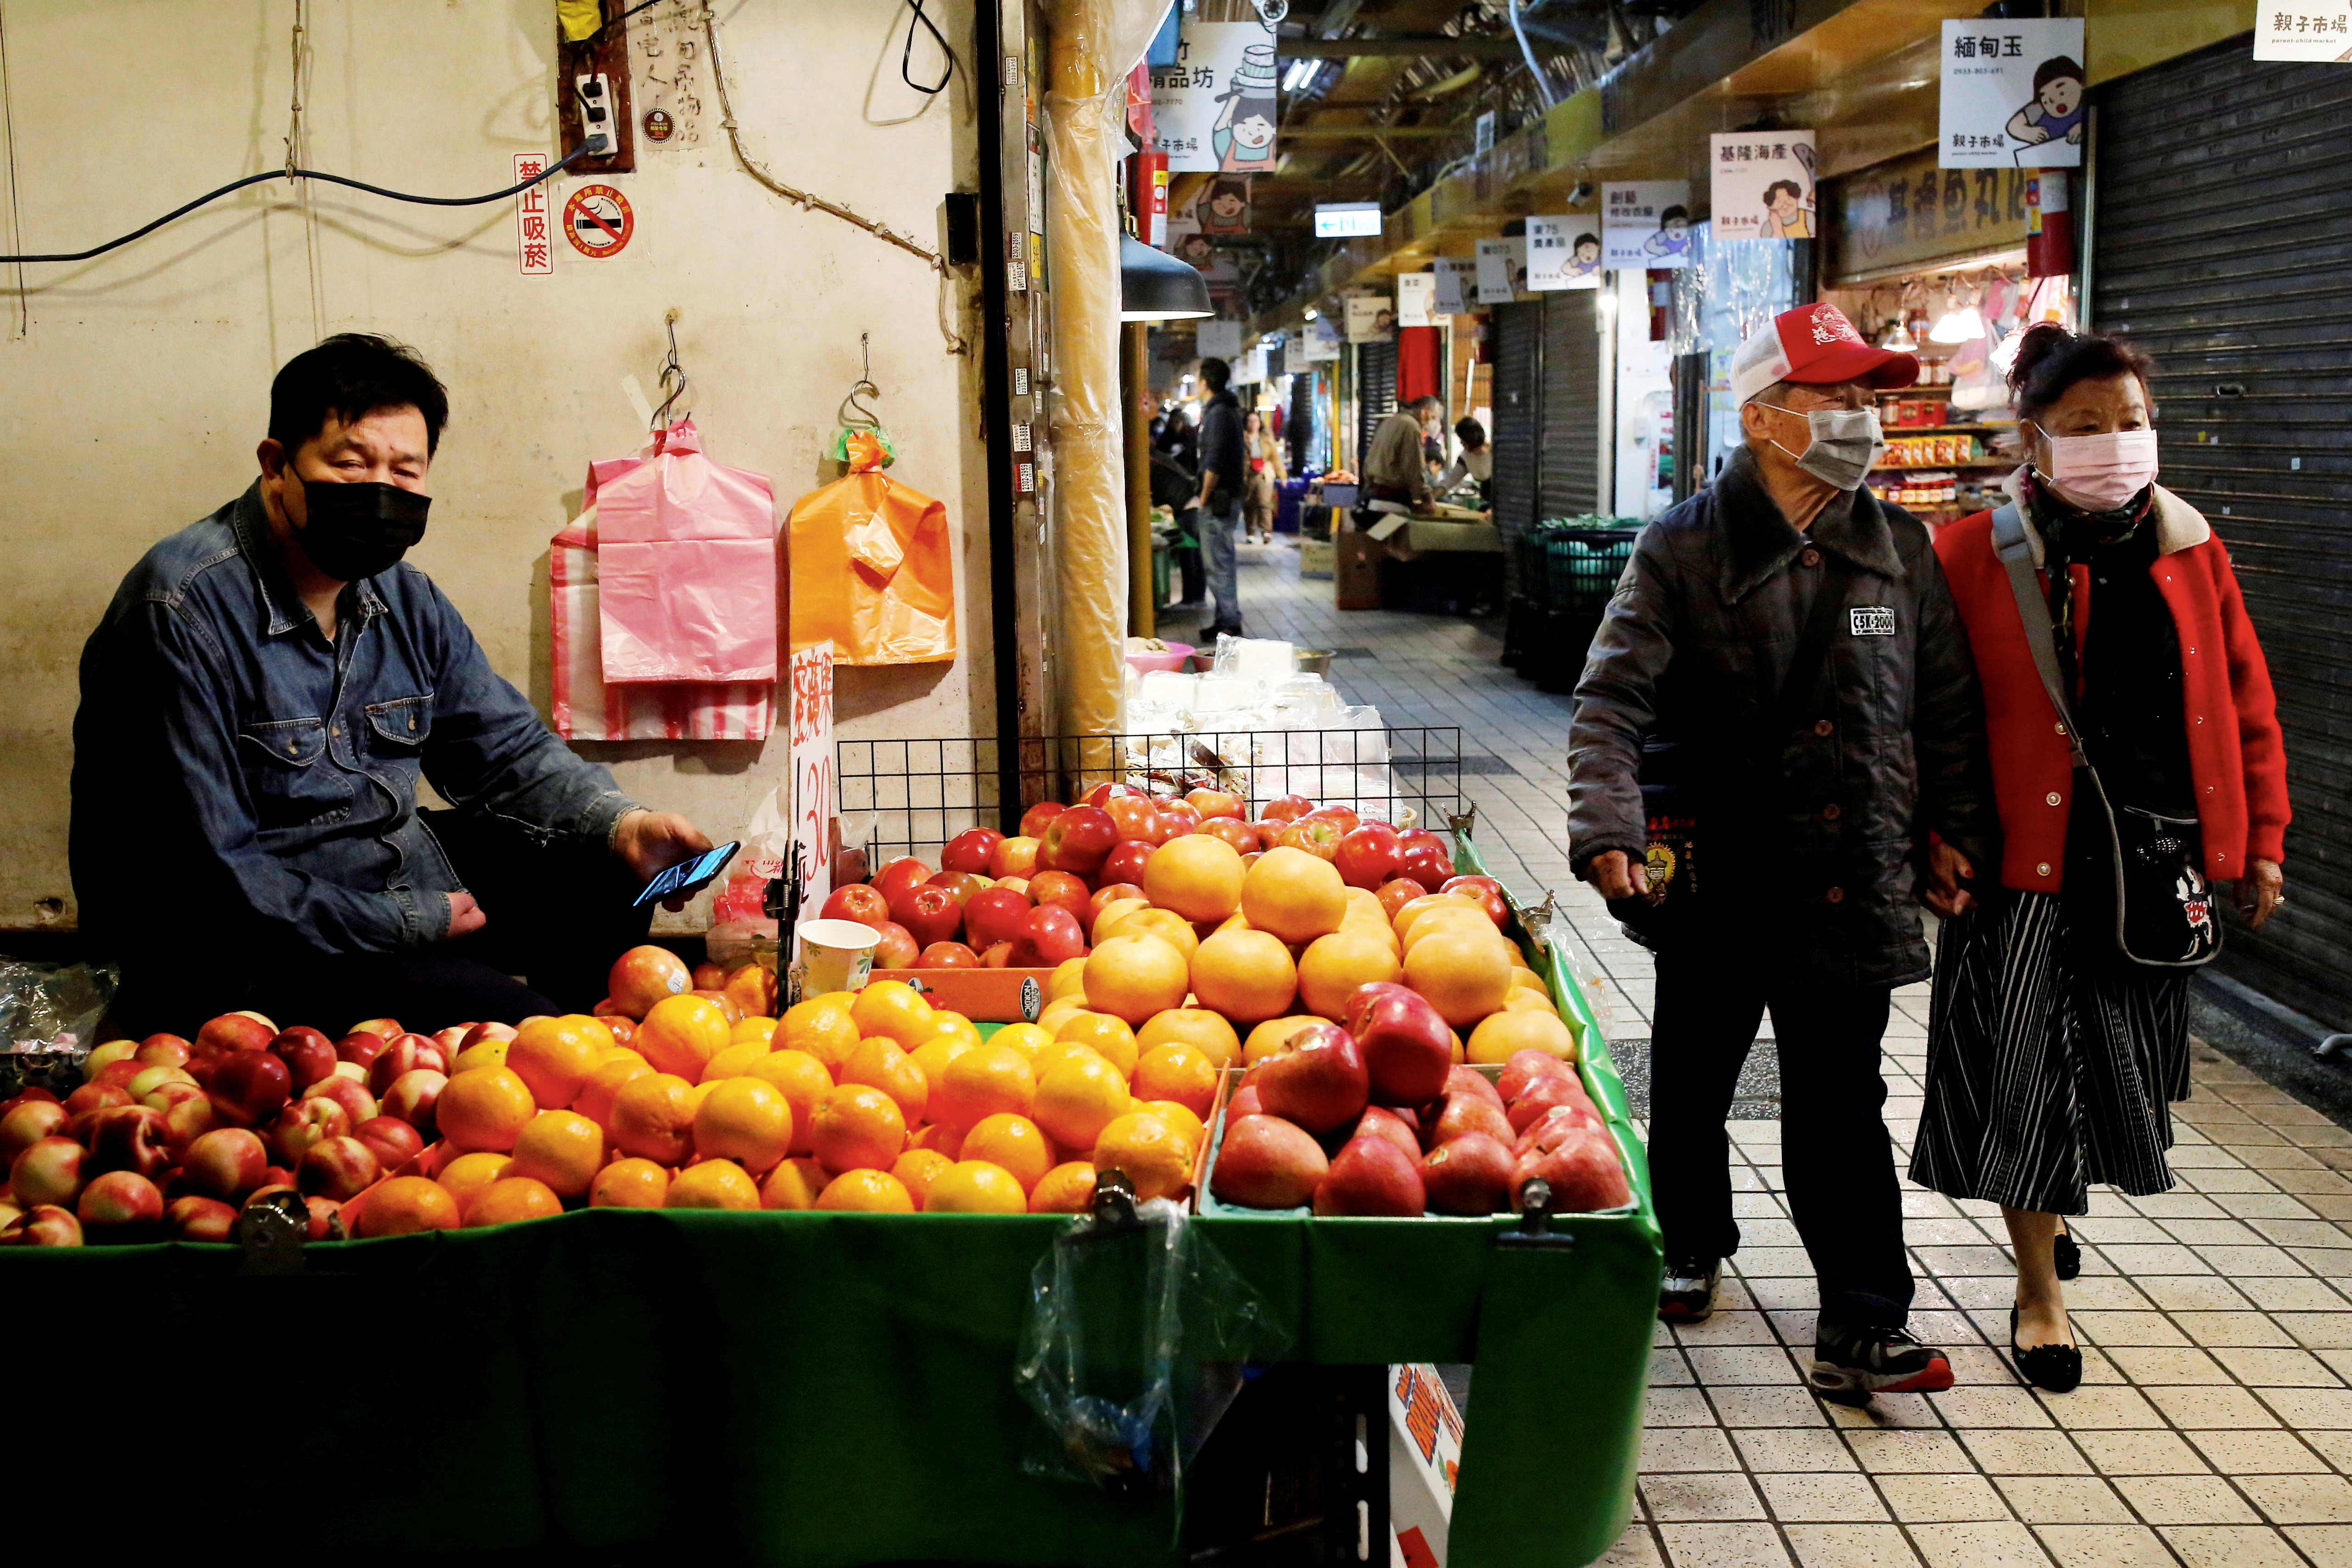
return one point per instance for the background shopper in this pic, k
(1225, 475)
(1265, 471)
(2051, 1055)
(1781, 666)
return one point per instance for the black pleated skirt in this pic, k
(2052, 1062)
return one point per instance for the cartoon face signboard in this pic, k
(1763, 184)
(1645, 224)
(1223, 207)
(1564, 252)
(2013, 94)
(1215, 108)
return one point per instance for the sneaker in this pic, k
(1852, 1365)
(1687, 1295)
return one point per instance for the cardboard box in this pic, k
(1317, 558)
(1356, 567)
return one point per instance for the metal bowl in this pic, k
(1315, 661)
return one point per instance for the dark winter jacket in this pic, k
(1222, 452)
(1816, 831)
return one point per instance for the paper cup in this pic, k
(835, 956)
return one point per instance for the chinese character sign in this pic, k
(533, 258)
(1763, 184)
(811, 676)
(2012, 94)
(1502, 263)
(1371, 319)
(1454, 281)
(1414, 290)
(1564, 252)
(1645, 224)
(1215, 108)
(2318, 30)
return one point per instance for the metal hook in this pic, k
(851, 411)
(673, 376)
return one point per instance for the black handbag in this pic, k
(1683, 787)
(2163, 908)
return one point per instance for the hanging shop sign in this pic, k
(598, 222)
(2012, 94)
(1645, 225)
(1215, 108)
(1322, 341)
(1219, 340)
(1763, 184)
(1907, 213)
(1452, 282)
(2317, 30)
(1371, 319)
(533, 258)
(1563, 252)
(1414, 292)
(1502, 263)
(1222, 206)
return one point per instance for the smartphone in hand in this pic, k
(687, 875)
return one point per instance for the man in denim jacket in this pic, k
(257, 705)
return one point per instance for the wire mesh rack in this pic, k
(910, 797)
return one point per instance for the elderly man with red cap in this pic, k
(1778, 752)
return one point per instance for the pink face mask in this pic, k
(2100, 473)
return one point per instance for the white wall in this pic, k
(137, 385)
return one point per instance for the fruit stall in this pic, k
(716, 1272)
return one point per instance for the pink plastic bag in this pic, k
(586, 709)
(687, 565)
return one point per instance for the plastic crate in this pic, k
(1583, 564)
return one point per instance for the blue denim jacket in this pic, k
(242, 786)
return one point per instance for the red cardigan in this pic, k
(2237, 759)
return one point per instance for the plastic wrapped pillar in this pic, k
(1142, 613)
(1092, 46)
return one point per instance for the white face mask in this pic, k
(2101, 472)
(1845, 443)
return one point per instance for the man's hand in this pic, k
(466, 916)
(1612, 874)
(2261, 891)
(654, 841)
(1424, 509)
(1946, 866)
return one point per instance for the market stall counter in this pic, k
(806, 1388)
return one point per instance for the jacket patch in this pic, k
(1871, 620)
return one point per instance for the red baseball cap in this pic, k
(1815, 344)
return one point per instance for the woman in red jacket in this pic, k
(2051, 1057)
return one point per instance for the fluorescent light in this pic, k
(1300, 74)
(1312, 313)
(1961, 326)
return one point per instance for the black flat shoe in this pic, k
(2066, 1255)
(2057, 1368)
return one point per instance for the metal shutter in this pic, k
(1298, 424)
(2221, 250)
(1519, 355)
(1375, 394)
(1569, 470)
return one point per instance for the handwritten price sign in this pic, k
(811, 674)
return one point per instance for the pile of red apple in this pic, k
(1371, 1116)
(1028, 901)
(168, 1138)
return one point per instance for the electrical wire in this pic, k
(1543, 83)
(548, 173)
(907, 56)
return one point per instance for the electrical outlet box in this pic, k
(596, 113)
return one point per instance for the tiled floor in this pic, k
(2214, 1426)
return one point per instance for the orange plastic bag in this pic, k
(871, 567)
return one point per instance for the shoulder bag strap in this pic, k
(2016, 553)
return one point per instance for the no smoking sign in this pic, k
(598, 222)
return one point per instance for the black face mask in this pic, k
(357, 530)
